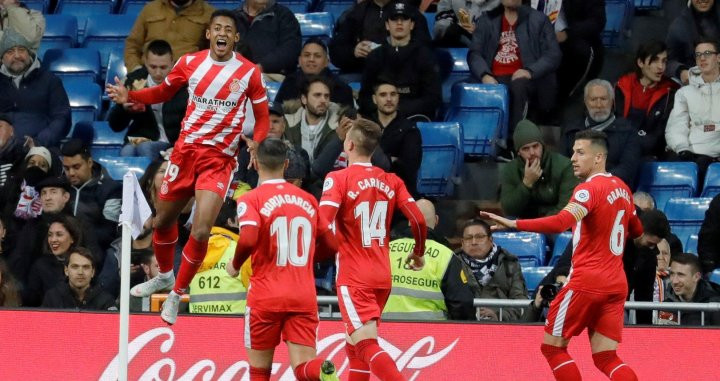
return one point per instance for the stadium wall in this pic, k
(36, 345)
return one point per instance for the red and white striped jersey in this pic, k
(218, 93)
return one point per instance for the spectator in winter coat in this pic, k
(693, 129)
(709, 238)
(33, 97)
(400, 141)
(624, 148)
(361, 29)
(150, 128)
(455, 21)
(515, 45)
(410, 64)
(12, 151)
(645, 98)
(95, 195)
(182, 23)
(313, 60)
(29, 23)
(687, 286)
(269, 35)
(79, 292)
(701, 20)
(538, 182)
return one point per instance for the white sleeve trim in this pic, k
(330, 203)
(252, 223)
(256, 101)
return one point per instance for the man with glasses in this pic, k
(693, 129)
(491, 271)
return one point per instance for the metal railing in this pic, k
(332, 301)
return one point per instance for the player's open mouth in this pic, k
(221, 43)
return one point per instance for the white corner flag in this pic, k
(135, 211)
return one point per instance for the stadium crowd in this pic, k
(59, 205)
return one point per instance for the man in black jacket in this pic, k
(409, 63)
(624, 148)
(709, 238)
(688, 286)
(515, 45)
(78, 292)
(269, 35)
(313, 60)
(400, 140)
(361, 29)
(150, 128)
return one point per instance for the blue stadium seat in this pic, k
(528, 247)
(132, 7)
(106, 142)
(533, 276)
(561, 242)
(61, 32)
(85, 10)
(430, 18)
(686, 215)
(317, 24)
(442, 158)
(715, 276)
(711, 185)
(106, 33)
(454, 68)
(225, 4)
(117, 166)
(335, 7)
(483, 112)
(73, 63)
(664, 180)
(85, 102)
(115, 68)
(272, 89)
(648, 4)
(297, 6)
(691, 244)
(618, 14)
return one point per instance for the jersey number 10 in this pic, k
(372, 223)
(287, 240)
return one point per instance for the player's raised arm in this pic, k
(419, 231)
(558, 223)
(258, 98)
(325, 242)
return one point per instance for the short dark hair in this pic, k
(83, 252)
(317, 41)
(382, 81)
(224, 13)
(476, 222)
(271, 153)
(310, 80)
(649, 49)
(655, 222)
(75, 147)
(228, 210)
(142, 256)
(366, 135)
(596, 138)
(707, 40)
(687, 259)
(159, 48)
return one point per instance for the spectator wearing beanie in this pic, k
(537, 182)
(32, 96)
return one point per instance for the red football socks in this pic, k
(164, 240)
(309, 370)
(562, 365)
(259, 374)
(381, 364)
(610, 364)
(358, 369)
(192, 257)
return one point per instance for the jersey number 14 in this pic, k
(372, 222)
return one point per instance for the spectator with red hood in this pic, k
(645, 97)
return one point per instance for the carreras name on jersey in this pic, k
(372, 183)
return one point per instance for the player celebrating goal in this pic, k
(361, 200)
(279, 225)
(602, 215)
(203, 160)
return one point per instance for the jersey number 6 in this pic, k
(617, 235)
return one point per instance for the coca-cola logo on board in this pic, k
(420, 355)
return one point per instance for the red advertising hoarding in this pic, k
(84, 346)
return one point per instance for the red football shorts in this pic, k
(264, 328)
(194, 167)
(359, 305)
(572, 311)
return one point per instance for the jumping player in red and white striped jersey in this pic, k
(602, 215)
(203, 160)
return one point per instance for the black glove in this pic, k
(686, 156)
